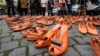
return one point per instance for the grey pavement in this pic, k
(14, 44)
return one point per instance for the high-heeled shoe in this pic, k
(45, 40)
(59, 44)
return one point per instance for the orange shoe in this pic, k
(95, 43)
(45, 40)
(37, 34)
(59, 44)
(91, 29)
(82, 28)
(20, 27)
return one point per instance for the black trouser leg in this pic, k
(26, 11)
(69, 7)
(8, 11)
(13, 10)
(50, 11)
(21, 12)
(43, 11)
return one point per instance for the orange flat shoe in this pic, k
(20, 27)
(96, 21)
(28, 32)
(37, 34)
(45, 40)
(95, 43)
(59, 44)
(82, 28)
(91, 29)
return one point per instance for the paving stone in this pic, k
(74, 27)
(79, 34)
(8, 46)
(4, 35)
(80, 40)
(46, 54)
(18, 52)
(3, 22)
(84, 50)
(39, 55)
(17, 35)
(5, 39)
(34, 51)
(24, 42)
(87, 39)
(1, 54)
(71, 42)
(6, 30)
(70, 31)
(71, 35)
(71, 52)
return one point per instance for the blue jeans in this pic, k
(69, 7)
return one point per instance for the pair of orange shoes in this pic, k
(95, 43)
(87, 27)
(35, 33)
(56, 39)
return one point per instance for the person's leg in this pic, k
(26, 11)
(22, 11)
(13, 10)
(69, 7)
(51, 11)
(48, 11)
(44, 11)
(8, 11)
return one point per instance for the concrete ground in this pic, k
(14, 44)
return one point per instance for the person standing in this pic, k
(43, 6)
(50, 6)
(10, 7)
(32, 7)
(24, 7)
(35, 7)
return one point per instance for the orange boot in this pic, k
(45, 40)
(59, 45)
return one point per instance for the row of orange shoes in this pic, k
(16, 23)
(56, 39)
